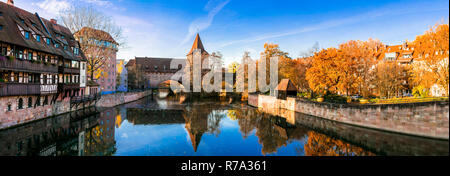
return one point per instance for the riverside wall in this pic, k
(20, 116)
(428, 119)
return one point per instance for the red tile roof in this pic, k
(198, 45)
(14, 17)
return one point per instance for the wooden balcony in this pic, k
(49, 89)
(16, 89)
(27, 66)
(68, 86)
(62, 69)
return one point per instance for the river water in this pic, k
(158, 127)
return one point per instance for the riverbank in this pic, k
(426, 119)
(13, 118)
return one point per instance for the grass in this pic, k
(407, 100)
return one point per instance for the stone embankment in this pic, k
(26, 115)
(428, 119)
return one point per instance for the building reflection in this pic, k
(91, 132)
(70, 134)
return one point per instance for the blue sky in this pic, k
(166, 28)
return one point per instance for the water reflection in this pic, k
(168, 127)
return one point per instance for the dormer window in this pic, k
(27, 35)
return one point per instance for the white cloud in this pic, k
(53, 7)
(203, 23)
(101, 3)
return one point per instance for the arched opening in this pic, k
(38, 101)
(30, 102)
(20, 104)
(45, 100)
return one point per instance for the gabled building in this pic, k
(403, 54)
(39, 61)
(98, 43)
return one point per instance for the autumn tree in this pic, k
(92, 28)
(232, 67)
(300, 68)
(324, 73)
(389, 78)
(356, 61)
(432, 50)
(273, 50)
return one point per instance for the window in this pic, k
(65, 47)
(4, 51)
(30, 56)
(56, 45)
(30, 102)
(22, 21)
(9, 107)
(38, 101)
(1, 27)
(38, 38)
(48, 41)
(20, 104)
(27, 35)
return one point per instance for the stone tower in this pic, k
(197, 48)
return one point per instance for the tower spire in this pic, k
(197, 45)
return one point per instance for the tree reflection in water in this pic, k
(322, 145)
(95, 133)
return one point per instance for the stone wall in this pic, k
(112, 100)
(430, 119)
(20, 116)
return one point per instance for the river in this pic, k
(169, 127)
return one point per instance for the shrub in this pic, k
(420, 91)
(335, 98)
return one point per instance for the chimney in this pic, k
(10, 2)
(53, 21)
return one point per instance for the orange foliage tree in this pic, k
(324, 73)
(390, 78)
(432, 50)
(346, 70)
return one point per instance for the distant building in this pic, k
(122, 76)
(105, 76)
(404, 54)
(146, 72)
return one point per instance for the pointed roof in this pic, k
(197, 45)
(195, 139)
(286, 85)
